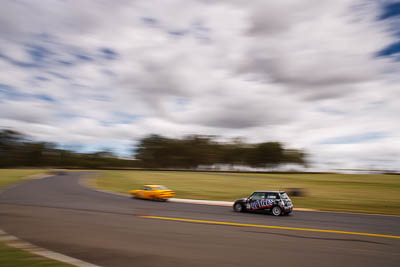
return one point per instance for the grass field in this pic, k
(12, 257)
(13, 176)
(337, 192)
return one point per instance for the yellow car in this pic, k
(153, 192)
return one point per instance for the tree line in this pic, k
(156, 151)
(153, 151)
(17, 150)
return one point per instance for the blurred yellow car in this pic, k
(153, 192)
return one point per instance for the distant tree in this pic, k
(295, 156)
(265, 154)
(194, 150)
(151, 151)
(11, 148)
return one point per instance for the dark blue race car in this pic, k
(275, 202)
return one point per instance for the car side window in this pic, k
(258, 196)
(272, 196)
(147, 188)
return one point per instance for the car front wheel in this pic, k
(276, 211)
(238, 207)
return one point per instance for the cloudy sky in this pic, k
(323, 76)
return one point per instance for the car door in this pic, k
(257, 201)
(272, 198)
(146, 192)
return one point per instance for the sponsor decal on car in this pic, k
(261, 204)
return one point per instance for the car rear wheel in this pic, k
(276, 211)
(238, 207)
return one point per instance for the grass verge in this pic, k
(334, 192)
(12, 257)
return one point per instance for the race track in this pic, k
(61, 215)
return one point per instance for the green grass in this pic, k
(336, 192)
(12, 257)
(13, 176)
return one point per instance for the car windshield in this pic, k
(284, 195)
(162, 188)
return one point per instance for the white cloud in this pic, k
(301, 72)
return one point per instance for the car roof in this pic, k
(153, 185)
(268, 191)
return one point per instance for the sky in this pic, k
(322, 76)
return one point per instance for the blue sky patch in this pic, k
(5, 87)
(354, 139)
(331, 111)
(44, 97)
(117, 147)
(149, 21)
(41, 78)
(83, 57)
(108, 73)
(9, 91)
(66, 115)
(18, 63)
(181, 101)
(178, 33)
(109, 53)
(38, 53)
(392, 49)
(201, 32)
(121, 118)
(59, 75)
(65, 62)
(390, 10)
(124, 118)
(102, 98)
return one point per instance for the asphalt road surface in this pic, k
(61, 215)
